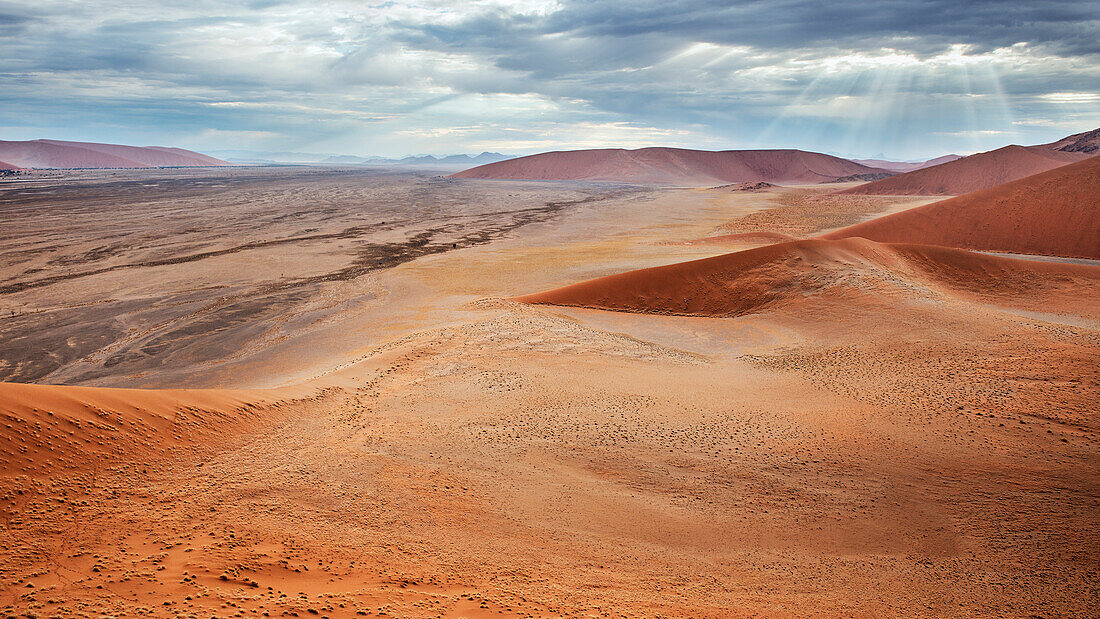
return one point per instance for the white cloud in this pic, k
(237, 136)
(1072, 97)
(389, 77)
(974, 133)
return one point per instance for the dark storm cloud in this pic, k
(597, 51)
(12, 24)
(632, 33)
(800, 23)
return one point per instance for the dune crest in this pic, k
(1054, 213)
(50, 427)
(60, 154)
(785, 275)
(972, 173)
(761, 236)
(674, 166)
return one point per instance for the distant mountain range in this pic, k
(64, 155)
(946, 175)
(245, 157)
(905, 166)
(481, 159)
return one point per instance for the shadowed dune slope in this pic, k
(44, 428)
(971, 173)
(673, 166)
(787, 275)
(1055, 213)
(46, 154)
(151, 156)
(1086, 142)
(762, 236)
(7, 166)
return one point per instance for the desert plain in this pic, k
(340, 392)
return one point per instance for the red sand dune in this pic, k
(787, 274)
(1055, 213)
(7, 166)
(905, 166)
(65, 155)
(971, 173)
(152, 156)
(44, 428)
(676, 166)
(39, 154)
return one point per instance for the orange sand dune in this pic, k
(46, 154)
(675, 166)
(872, 440)
(971, 173)
(44, 428)
(1055, 213)
(785, 275)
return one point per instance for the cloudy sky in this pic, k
(900, 78)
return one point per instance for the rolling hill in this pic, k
(59, 154)
(972, 173)
(673, 166)
(1054, 213)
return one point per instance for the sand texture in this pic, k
(343, 413)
